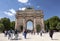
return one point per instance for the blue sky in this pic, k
(30, 25)
(50, 8)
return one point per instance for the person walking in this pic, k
(9, 34)
(25, 33)
(16, 34)
(51, 33)
(41, 33)
(5, 32)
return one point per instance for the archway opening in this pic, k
(29, 26)
(38, 28)
(21, 28)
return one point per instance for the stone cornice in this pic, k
(30, 13)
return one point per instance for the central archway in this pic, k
(29, 25)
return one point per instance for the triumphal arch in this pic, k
(22, 17)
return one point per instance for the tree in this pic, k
(53, 22)
(47, 27)
(58, 26)
(12, 25)
(6, 23)
(1, 27)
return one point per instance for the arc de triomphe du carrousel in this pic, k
(22, 17)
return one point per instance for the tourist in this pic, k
(25, 33)
(9, 34)
(51, 33)
(41, 33)
(12, 33)
(5, 32)
(16, 34)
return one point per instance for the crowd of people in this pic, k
(15, 33)
(11, 33)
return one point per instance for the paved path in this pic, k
(36, 37)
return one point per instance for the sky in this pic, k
(50, 8)
(29, 25)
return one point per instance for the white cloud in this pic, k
(22, 9)
(23, 1)
(10, 12)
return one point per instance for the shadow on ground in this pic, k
(55, 39)
(16, 39)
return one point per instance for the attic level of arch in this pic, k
(30, 13)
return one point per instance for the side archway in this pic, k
(21, 28)
(38, 28)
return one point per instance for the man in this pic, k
(51, 33)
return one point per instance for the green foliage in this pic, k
(47, 27)
(1, 27)
(6, 23)
(58, 26)
(12, 25)
(52, 23)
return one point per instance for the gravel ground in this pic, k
(31, 37)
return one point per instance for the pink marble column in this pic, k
(24, 24)
(15, 23)
(42, 25)
(34, 25)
